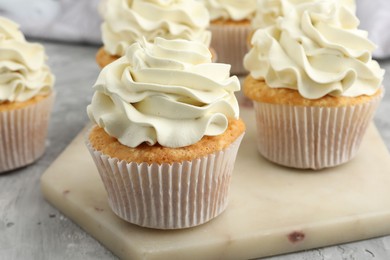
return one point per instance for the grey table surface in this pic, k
(30, 228)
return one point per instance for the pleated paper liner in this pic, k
(168, 196)
(23, 134)
(312, 137)
(230, 44)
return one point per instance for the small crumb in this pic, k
(296, 236)
(246, 102)
(98, 209)
(52, 215)
(10, 224)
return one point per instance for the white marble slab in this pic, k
(272, 209)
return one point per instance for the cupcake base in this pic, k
(309, 134)
(23, 130)
(168, 195)
(311, 137)
(230, 43)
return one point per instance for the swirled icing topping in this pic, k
(168, 92)
(23, 72)
(268, 11)
(128, 21)
(235, 10)
(317, 49)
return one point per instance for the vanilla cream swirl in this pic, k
(168, 92)
(268, 11)
(23, 72)
(128, 21)
(317, 49)
(235, 10)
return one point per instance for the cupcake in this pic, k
(230, 27)
(167, 133)
(26, 98)
(314, 86)
(126, 22)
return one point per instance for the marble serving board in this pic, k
(272, 209)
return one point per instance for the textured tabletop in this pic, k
(30, 228)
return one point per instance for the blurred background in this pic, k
(79, 20)
(64, 20)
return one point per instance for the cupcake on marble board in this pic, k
(230, 27)
(314, 86)
(26, 97)
(126, 22)
(167, 133)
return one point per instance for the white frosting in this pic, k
(236, 10)
(318, 50)
(168, 92)
(23, 72)
(268, 11)
(128, 21)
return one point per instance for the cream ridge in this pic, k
(128, 21)
(167, 92)
(268, 11)
(23, 72)
(317, 49)
(235, 10)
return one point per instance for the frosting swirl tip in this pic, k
(23, 72)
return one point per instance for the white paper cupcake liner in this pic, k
(23, 134)
(168, 196)
(230, 44)
(311, 137)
